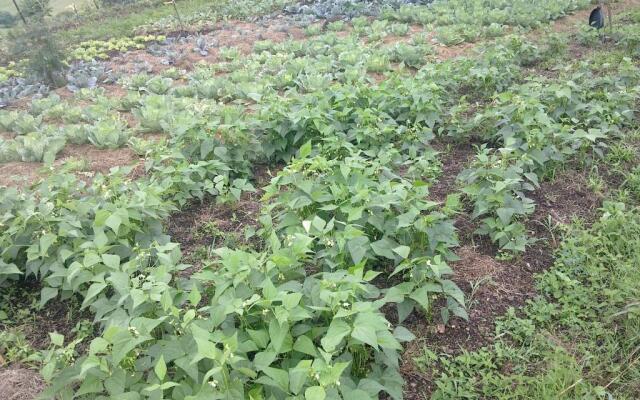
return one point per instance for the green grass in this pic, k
(580, 340)
(57, 5)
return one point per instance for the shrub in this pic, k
(36, 9)
(7, 20)
(44, 55)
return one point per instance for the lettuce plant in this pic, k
(34, 147)
(108, 133)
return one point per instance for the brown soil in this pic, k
(393, 39)
(56, 316)
(208, 225)
(453, 162)
(238, 34)
(136, 60)
(22, 174)
(20, 384)
(448, 52)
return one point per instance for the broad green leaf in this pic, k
(161, 368)
(260, 337)
(113, 221)
(46, 241)
(56, 339)
(315, 393)
(305, 150)
(298, 376)
(47, 294)
(305, 345)
(194, 296)
(338, 329)
(402, 251)
(358, 248)
(278, 334)
(365, 334)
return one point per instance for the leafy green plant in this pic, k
(109, 133)
(34, 147)
(8, 151)
(153, 110)
(580, 297)
(143, 147)
(41, 106)
(313, 30)
(22, 123)
(336, 26)
(263, 45)
(136, 82)
(409, 55)
(100, 49)
(7, 119)
(361, 212)
(399, 29)
(44, 55)
(129, 101)
(378, 63)
(229, 53)
(76, 134)
(158, 85)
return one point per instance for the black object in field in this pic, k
(596, 18)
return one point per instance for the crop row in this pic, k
(160, 105)
(534, 127)
(301, 317)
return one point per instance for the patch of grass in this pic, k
(579, 340)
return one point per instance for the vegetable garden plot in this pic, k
(346, 231)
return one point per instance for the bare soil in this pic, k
(453, 162)
(202, 225)
(23, 174)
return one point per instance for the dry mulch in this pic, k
(18, 383)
